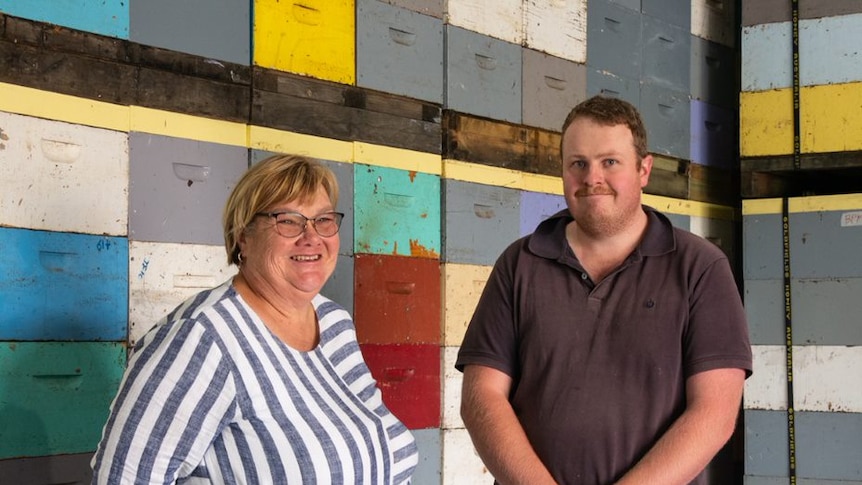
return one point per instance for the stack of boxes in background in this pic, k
(440, 119)
(824, 237)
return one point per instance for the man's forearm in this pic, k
(498, 436)
(697, 435)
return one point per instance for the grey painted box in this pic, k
(713, 73)
(551, 87)
(217, 29)
(828, 445)
(483, 75)
(480, 221)
(667, 116)
(613, 39)
(178, 188)
(399, 51)
(666, 55)
(604, 83)
(671, 11)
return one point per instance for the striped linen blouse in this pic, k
(210, 395)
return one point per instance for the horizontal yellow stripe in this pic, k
(178, 125)
(296, 143)
(689, 207)
(482, 174)
(803, 204)
(62, 107)
(399, 158)
(829, 122)
(542, 183)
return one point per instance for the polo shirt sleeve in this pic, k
(491, 337)
(717, 333)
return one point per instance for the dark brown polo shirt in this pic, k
(599, 370)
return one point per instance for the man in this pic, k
(608, 346)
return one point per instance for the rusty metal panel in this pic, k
(397, 299)
(409, 378)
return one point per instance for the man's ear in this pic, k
(645, 170)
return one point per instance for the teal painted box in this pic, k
(397, 212)
(54, 396)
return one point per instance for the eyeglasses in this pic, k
(292, 224)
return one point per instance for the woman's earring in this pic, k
(239, 257)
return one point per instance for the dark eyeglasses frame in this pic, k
(279, 227)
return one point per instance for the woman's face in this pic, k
(301, 263)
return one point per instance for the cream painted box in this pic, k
(501, 19)
(163, 275)
(58, 176)
(462, 287)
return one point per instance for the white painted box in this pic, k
(825, 378)
(461, 463)
(58, 176)
(163, 275)
(557, 27)
(501, 19)
(452, 379)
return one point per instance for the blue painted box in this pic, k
(63, 286)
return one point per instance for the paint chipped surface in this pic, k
(419, 251)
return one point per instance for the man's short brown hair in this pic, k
(611, 111)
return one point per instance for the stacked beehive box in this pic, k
(125, 125)
(801, 267)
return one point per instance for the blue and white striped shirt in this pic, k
(212, 396)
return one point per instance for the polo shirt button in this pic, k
(584, 276)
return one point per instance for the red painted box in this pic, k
(397, 299)
(409, 377)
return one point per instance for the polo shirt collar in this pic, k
(549, 238)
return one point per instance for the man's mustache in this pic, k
(594, 191)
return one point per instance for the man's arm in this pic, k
(495, 430)
(712, 406)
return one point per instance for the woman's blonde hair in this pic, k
(274, 180)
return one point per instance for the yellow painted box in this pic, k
(309, 37)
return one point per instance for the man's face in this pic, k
(602, 176)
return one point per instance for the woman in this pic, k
(259, 380)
